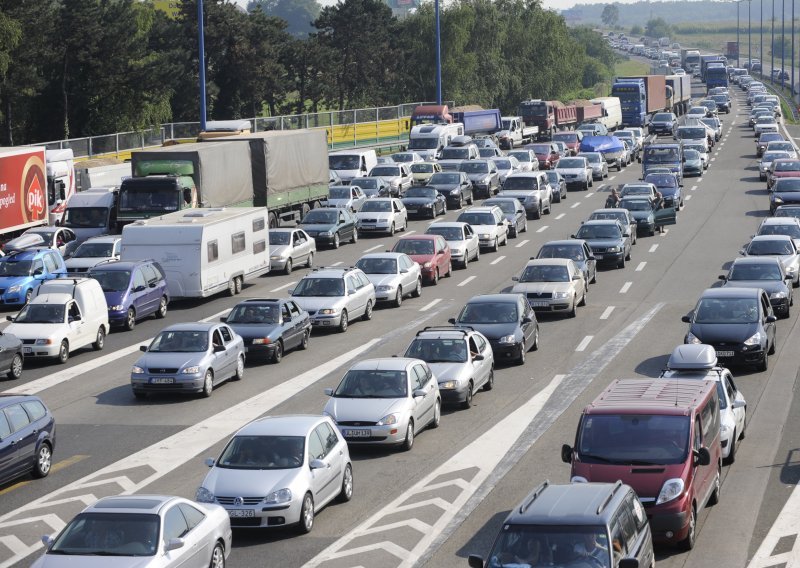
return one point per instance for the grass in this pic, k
(631, 67)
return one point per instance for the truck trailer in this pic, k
(640, 97)
(679, 93)
(477, 120)
(23, 190)
(548, 116)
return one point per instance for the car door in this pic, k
(23, 437)
(480, 367)
(200, 535)
(176, 527)
(300, 322)
(356, 302)
(736, 399)
(408, 276)
(322, 478)
(231, 352)
(79, 332)
(423, 405)
(297, 250)
(766, 315)
(221, 364)
(347, 224)
(591, 262)
(289, 332)
(700, 472)
(472, 240)
(152, 291)
(400, 214)
(139, 294)
(525, 312)
(9, 465)
(333, 459)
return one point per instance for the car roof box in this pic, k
(693, 356)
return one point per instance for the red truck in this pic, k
(589, 113)
(549, 116)
(23, 189)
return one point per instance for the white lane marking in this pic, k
(467, 280)
(574, 205)
(496, 260)
(54, 379)
(641, 266)
(699, 179)
(653, 248)
(785, 527)
(584, 343)
(664, 234)
(694, 187)
(560, 216)
(287, 285)
(376, 247)
(688, 197)
(162, 457)
(611, 178)
(714, 158)
(409, 232)
(427, 307)
(542, 229)
(336, 263)
(521, 243)
(606, 313)
(625, 287)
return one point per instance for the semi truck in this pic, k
(679, 93)
(23, 190)
(716, 76)
(706, 59)
(732, 50)
(640, 96)
(690, 59)
(548, 116)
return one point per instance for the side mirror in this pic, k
(723, 277)
(475, 561)
(573, 237)
(291, 291)
(771, 319)
(686, 319)
(739, 403)
(526, 320)
(566, 453)
(209, 462)
(515, 278)
(318, 464)
(219, 348)
(500, 223)
(702, 456)
(47, 540)
(223, 319)
(478, 358)
(578, 276)
(9, 318)
(452, 321)
(329, 392)
(629, 563)
(143, 348)
(741, 252)
(419, 393)
(174, 544)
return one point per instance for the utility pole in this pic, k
(438, 58)
(202, 62)
(772, 45)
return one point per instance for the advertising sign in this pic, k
(23, 186)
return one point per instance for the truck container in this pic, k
(732, 50)
(716, 76)
(477, 120)
(23, 190)
(681, 96)
(640, 96)
(587, 111)
(548, 116)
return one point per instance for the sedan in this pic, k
(765, 273)
(349, 197)
(552, 285)
(621, 214)
(407, 157)
(646, 190)
(270, 328)
(514, 213)
(456, 188)
(577, 251)
(398, 176)
(506, 166)
(424, 202)
(189, 358)
(577, 172)
(670, 188)
(484, 176)
(382, 215)
(781, 246)
(765, 124)
(280, 471)
(783, 145)
(94, 251)
(767, 158)
(558, 184)
(764, 139)
(780, 169)
(27, 436)
(430, 252)
(385, 402)
(422, 172)
(597, 163)
(394, 275)
(693, 164)
(373, 187)
(547, 154)
(607, 240)
(289, 248)
(461, 238)
(146, 531)
(526, 158)
(330, 226)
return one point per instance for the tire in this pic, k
(594, 278)
(715, 494)
(621, 263)
(732, 455)
(346, 492)
(217, 557)
(653, 232)
(354, 238)
(306, 514)
(336, 241)
(139, 395)
(398, 297)
(130, 319)
(763, 365)
(418, 289)
(277, 355)
(466, 260)
(573, 311)
(100, 339)
(367, 311)
(208, 384)
(239, 375)
(391, 230)
(310, 261)
(343, 322)
(408, 443)
(538, 214)
(15, 371)
(161, 312)
(583, 299)
(44, 461)
(688, 542)
(628, 256)
(28, 296)
(449, 269)
(63, 352)
(535, 346)
(231, 287)
(435, 279)
(437, 415)
(525, 226)
(490, 381)
(522, 355)
(433, 212)
(496, 246)
(288, 268)
(304, 343)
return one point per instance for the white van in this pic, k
(428, 139)
(351, 164)
(612, 112)
(65, 314)
(202, 251)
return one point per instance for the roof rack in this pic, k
(317, 268)
(465, 329)
(610, 496)
(536, 492)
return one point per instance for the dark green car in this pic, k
(330, 226)
(648, 219)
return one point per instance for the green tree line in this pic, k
(71, 68)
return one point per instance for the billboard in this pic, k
(171, 8)
(23, 183)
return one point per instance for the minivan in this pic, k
(351, 164)
(133, 290)
(661, 437)
(27, 437)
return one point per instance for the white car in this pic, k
(398, 176)
(393, 274)
(145, 531)
(289, 248)
(765, 124)
(526, 158)
(94, 251)
(382, 215)
(489, 223)
(597, 163)
(699, 362)
(461, 238)
(279, 471)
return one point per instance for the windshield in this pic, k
(772, 156)
(313, 287)
(598, 232)
(691, 133)
(571, 163)
(663, 117)
(421, 192)
(770, 247)
(473, 167)
(377, 265)
(505, 206)
(94, 250)
(787, 211)
(503, 164)
(788, 230)
(489, 312)
(279, 237)
(765, 271)
(109, 534)
(388, 171)
(339, 193)
(321, 217)
(552, 177)
(726, 310)
(780, 145)
(540, 273)
(414, 246)
(372, 383)
(263, 452)
(444, 179)
(111, 280)
(438, 350)
(568, 137)
(343, 162)
(423, 143)
(526, 546)
(524, 183)
(575, 252)
(635, 205)
(522, 156)
(15, 267)
(765, 120)
(180, 341)
(254, 313)
(477, 218)
(649, 439)
(148, 199)
(376, 206)
(83, 217)
(637, 190)
(455, 154)
(661, 155)
(662, 180)
(690, 155)
(41, 313)
(403, 157)
(593, 158)
(789, 166)
(539, 148)
(449, 233)
(424, 168)
(368, 183)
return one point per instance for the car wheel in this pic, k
(433, 211)
(44, 461)
(558, 197)
(161, 312)
(354, 238)
(15, 371)
(63, 352)
(231, 287)
(336, 240)
(621, 263)
(343, 322)
(628, 256)
(307, 514)
(310, 261)
(732, 455)
(391, 230)
(449, 269)
(347, 485)
(538, 213)
(130, 319)
(583, 299)
(238, 284)
(496, 245)
(521, 358)
(239, 375)
(763, 365)
(688, 542)
(513, 233)
(367, 311)
(28, 296)
(524, 226)
(715, 494)
(572, 312)
(489, 381)
(208, 384)
(653, 232)
(100, 339)
(288, 268)
(277, 354)
(466, 260)
(435, 279)
(437, 415)
(398, 297)
(408, 443)
(594, 278)
(468, 398)
(304, 342)
(217, 557)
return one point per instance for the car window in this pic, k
(316, 449)
(50, 263)
(5, 428)
(216, 339)
(157, 270)
(38, 265)
(352, 283)
(293, 309)
(637, 511)
(418, 378)
(617, 541)
(192, 515)
(285, 313)
(149, 274)
(698, 436)
(138, 279)
(175, 525)
(363, 280)
(327, 436)
(628, 530)
(35, 409)
(74, 311)
(481, 343)
(17, 417)
(226, 333)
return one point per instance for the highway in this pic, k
(447, 497)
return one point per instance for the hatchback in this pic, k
(780, 246)
(134, 290)
(431, 252)
(765, 273)
(490, 225)
(577, 251)
(608, 241)
(94, 251)
(514, 213)
(22, 272)
(289, 248)
(335, 296)
(394, 275)
(461, 238)
(27, 437)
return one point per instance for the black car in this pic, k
(10, 356)
(270, 327)
(514, 213)
(669, 187)
(785, 191)
(663, 123)
(622, 215)
(27, 437)
(454, 186)
(766, 273)
(424, 202)
(559, 185)
(507, 321)
(723, 103)
(576, 250)
(330, 226)
(738, 322)
(607, 240)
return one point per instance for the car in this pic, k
(571, 138)
(395, 275)
(328, 226)
(785, 190)
(738, 322)
(767, 158)
(335, 296)
(621, 214)
(532, 189)
(647, 190)
(489, 223)
(506, 166)
(385, 402)
(490, 152)
(398, 176)
(593, 129)
(723, 103)
(485, 141)
(461, 238)
(189, 358)
(407, 158)
(781, 246)
(280, 471)
(784, 146)
(349, 197)
(506, 320)
(94, 251)
(431, 252)
(483, 175)
(631, 144)
(149, 531)
(693, 163)
(385, 160)
(765, 124)
(697, 112)
(289, 248)
(546, 153)
(788, 211)
(552, 285)
(461, 358)
(576, 250)
(670, 188)
(663, 123)
(762, 272)
(382, 215)
(27, 429)
(699, 147)
(780, 169)
(714, 124)
(711, 107)
(756, 113)
(21, 272)
(781, 226)
(456, 188)
(698, 132)
(373, 187)
(577, 172)
(764, 139)
(53, 237)
(422, 171)
(607, 240)
(514, 212)
(562, 148)
(424, 202)
(526, 158)
(558, 185)
(597, 163)
(133, 290)
(269, 327)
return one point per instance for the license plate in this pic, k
(27, 349)
(411, 210)
(724, 353)
(357, 433)
(539, 304)
(241, 513)
(597, 256)
(162, 381)
(367, 226)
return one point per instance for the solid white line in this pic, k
(606, 313)
(785, 527)
(653, 248)
(560, 216)
(625, 287)
(688, 197)
(641, 266)
(542, 229)
(521, 243)
(376, 247)
(467, 280)
(584, 343)
(496, 260)
(287, 285)
(574, 205)
(427, 307)
(336, 263)
(693, 188)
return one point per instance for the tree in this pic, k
(610, 15)
(637, 30)
(657, 27)
(298, 14)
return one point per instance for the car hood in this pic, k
(604, 242)
(640, 215)
(444, 186)
(451, 371)
(279, 250)
(383, 279)
(35, 330)
(669, 191)
(314, 303)
(338, 203)
(169, 360)
(248, 482)
(647, 480)
(363, 409)
(571, 171)
(769, 286)
(477, 176)
(723, 332)
(421, 258)
(494, 330)
(525, 287)
(318, 227)
(8, 281)
(75, 561)
(83, 263)
(251, 330)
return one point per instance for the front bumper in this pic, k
(454, 396)
(323, 321)
(325, 240)
(550, 304)
(278, 264)
(44, 351)
(168, 383)
(608, 257)
(369, 434)
(576, 182)
(260, 350)
(384, 227)
(419, 211)
(261, 515)
(13, 298)
(739, 354)
(385, 295)
(506, 351)
(780, 305)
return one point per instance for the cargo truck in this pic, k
(732, 50)
(706, 59)
(588, 112)
(548, 116)
(680, 97)
(716, 76)
(515, 133)
(61, 181)
(23, 190)
(477, 120)
(690, 59)
(640, 97)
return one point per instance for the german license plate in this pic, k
(27, 349)
(411, 211)
(724, 353)
(539, 304)
(162, 381)
(241, 513)
(357, 433)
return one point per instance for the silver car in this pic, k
(597, 163)
(94, 251)
(781, 246)
(382, 215)
(385, 402)
(142, 531)
(461, 358)
(189, 358)
(526, 158)
(552, 285)
(489, 223)
(506, 166)
(393, 274)
(398, 176)
(335, 296)
(289, 248)
(279, 471)
(461, 238)
(349, 197)
(577, 172)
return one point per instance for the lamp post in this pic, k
(738, 60)
(783, 42)
(438, 58)
(791, 84)
(761, 39)
(202, 61)
(749, 37)
(772, 45)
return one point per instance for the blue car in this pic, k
(133, 290)
(22, 272)
(27, 437)
(270, 327)
(669, 186)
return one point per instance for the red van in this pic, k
(663, 439)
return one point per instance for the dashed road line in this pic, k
(625, 287)
(560, 216)
(496, 260)
(688, 197)
(521, 243)
(574, 205)
(584, 343)
(653, 248)
(466, 281)
(664, 234)
(287, 285)
(641, 266)
(606, 313)
(427, 307)
(542, 229)
(376, 247)
(693, 188)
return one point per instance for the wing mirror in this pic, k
(475, 561)
(318, 464)
(143, 348)
(174, 544)
(739, 403)
(566, 453)
(419, 393)
(9, 318)
(515, 278)
(702, 456)
(210, 462)
(771, 319)
(47, 540)
(687, 318)
(526, 320)
(219, 348)
(223, 319)
(452, 321)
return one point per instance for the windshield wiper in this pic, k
(643, 462)
(596, 457)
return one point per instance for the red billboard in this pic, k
(23, 188)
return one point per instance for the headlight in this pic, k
(203, 495)
(508, 339)
(44, 342)
(691, 338)
(261, 341)
(448, 385)
(427, 205)
(427, 265)
(191, 370)
(395, 184)
(117, 308)
(136, 370)
(777, 199)
(387, 420)
(485, 236)
(328, 311)
(672, 489)
(279, 496)
(326, 234)
(14, 288)
(455, 192)
(384, 288)
(778, 295)
(724, 429)
(755, 339)
(614, 249)
(561, 295)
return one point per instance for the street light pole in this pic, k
(438, 58)
(783, 42)
(772, 45)
(749, 37)
(202, 61)
(738, 45)
(791, 84)
(761, 39)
